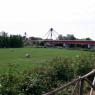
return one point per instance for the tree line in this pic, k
(71, 37)
(12, 41)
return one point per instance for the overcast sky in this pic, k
(36, 17)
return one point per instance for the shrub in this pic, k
(84, 64)
(30, 85)
(62, 69)
(9, 82)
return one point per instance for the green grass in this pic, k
(38, 58)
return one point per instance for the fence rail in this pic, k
(80, 80)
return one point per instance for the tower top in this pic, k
(51, 34)
(51, 29)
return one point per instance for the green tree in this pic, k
(16, 41)
(68, 37)
(60, 37)
(71, 37)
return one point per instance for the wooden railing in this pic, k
(80, 82)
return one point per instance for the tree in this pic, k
(89, 39)
(16, 41)
(4, 40)
(3, 33)
(60, 37)
(71, 37)
(68, 37)
(10, 41)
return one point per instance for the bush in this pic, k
(61, 70)
(9, 82)
(84, 64)
(30, 85)
(13, 83)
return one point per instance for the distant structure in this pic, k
(50, 39)
(51, 34)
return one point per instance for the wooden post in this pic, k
(81, 87)
(91, 92)
(75, 88)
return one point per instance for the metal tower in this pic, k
(51, 34)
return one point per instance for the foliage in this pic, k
(60, 37)
(68, 37)
(30, 85)
(9, 82)
(13, 41)
(16, 41)
(60, 71)
(84, 63)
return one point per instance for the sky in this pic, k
(36, 17)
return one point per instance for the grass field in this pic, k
(38, 58)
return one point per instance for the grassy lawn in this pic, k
(38, 58)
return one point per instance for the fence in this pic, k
(79, 83)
